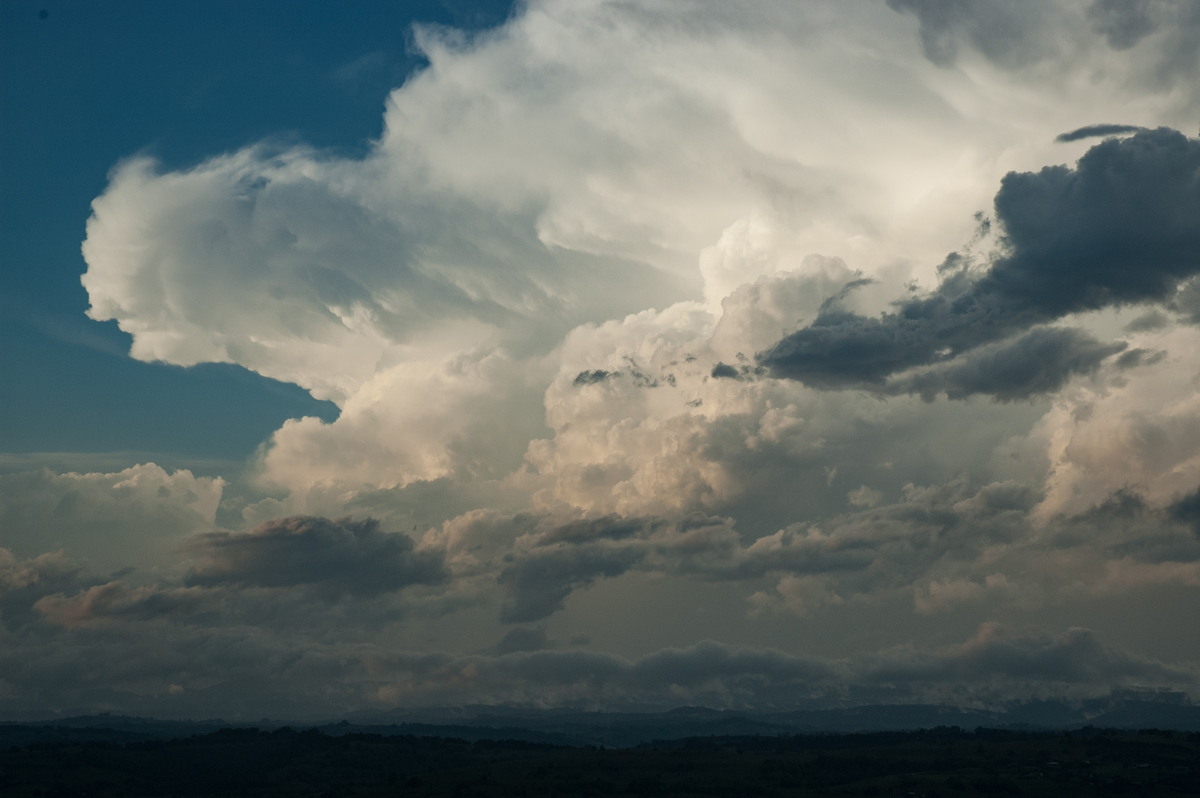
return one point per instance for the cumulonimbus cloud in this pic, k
(537, 300)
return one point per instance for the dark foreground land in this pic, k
(938, 762)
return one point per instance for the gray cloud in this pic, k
(1020, 34)
(133, 517)
(202, 673)
(706, 673)
(944, 544)
(1092, 131)
(166, 649)
(1186, 301)
(1187, 510)
(1123, 227)
(564, 558)
(1123, 23)
(1039, 362)
(1048, 666)
(537, 584)
(117, 602)
(521, 638)
(1140, 357)
(592, 377)
(335, 557)
(24, 582)
(1009, 33)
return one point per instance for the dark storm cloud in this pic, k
(592, 377)
(1092, 131)
(1038, 362)
(1140, 357)
(335, 557)
(1123, 227)
(724, 371)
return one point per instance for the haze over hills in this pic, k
(1125, 710)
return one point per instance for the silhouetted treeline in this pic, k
(936, 762)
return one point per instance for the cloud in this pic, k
(1122, 227)
(517, 192)
(1138, 434)
(521, 638)
(943, 545)
(1012, 34)
(1169, 25)
(391, 433)
(1029, 36)
(137, 516)
(1123, 24)
(1039, 362)
(24, 581)
(115, 602)
(185, 672)
(1071, 664)
(539, 583)
(538, 300)
(1091, 131)
(706, 673)
(335, 557)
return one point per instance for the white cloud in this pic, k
(521, 189)
(1138, 432)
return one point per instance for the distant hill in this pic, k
(1126, 710)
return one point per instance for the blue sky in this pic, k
(597, 354)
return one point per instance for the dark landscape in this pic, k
(685, 752)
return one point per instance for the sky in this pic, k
(593, 354)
